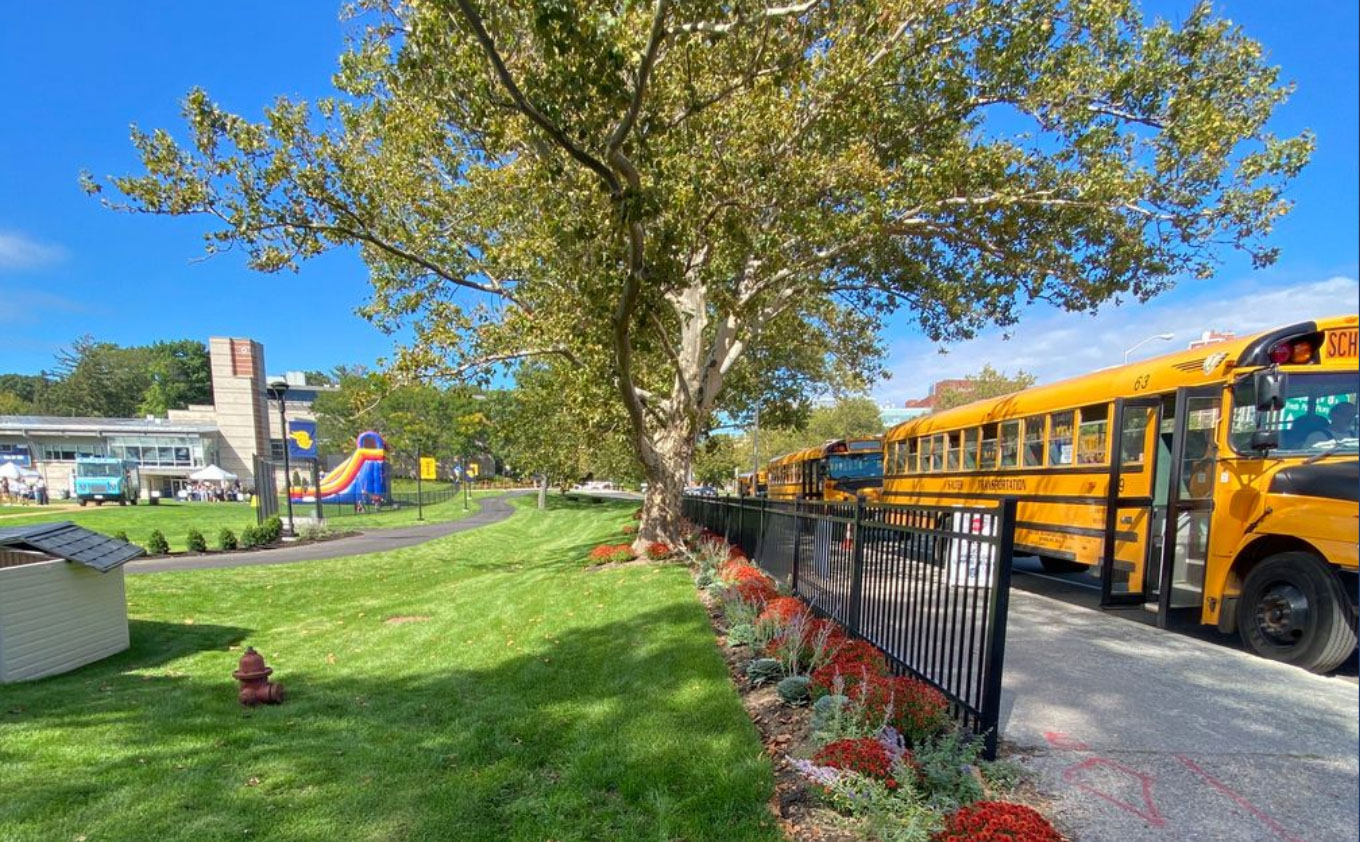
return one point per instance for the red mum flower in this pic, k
(852, 661)
(611, 552)
(657, 550)
(999, 821)
(782, 610)
(865, 755)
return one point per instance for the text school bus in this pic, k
(1218, 483)
(835, 471)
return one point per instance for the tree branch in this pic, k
(658, 35)
(722, 28)
(527, 108)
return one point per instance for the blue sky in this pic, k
(78, 74)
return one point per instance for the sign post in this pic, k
(427, 471)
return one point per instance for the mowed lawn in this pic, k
(174, 520)
(482, 686)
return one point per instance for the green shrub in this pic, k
(742, 634)
(315, 531)
(156, 543)
(226, 539)
(271, 530)
(831, 718)
(795, 690)
(946, 770)
(196, 542)
(120, 535)
(252, 537)
(763, 670)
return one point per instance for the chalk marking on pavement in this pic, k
(1063, 742)
(1241, 801)
(1152, 815)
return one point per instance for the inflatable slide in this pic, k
(360, 478)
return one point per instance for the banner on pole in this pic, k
(428, 467)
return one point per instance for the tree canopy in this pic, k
(645, 191)
(104, 380)
(987, 383)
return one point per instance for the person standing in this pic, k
(41, 491)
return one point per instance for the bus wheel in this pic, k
(1294, 609)
(1060, 565)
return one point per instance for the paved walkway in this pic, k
(493, 510)
(1146, 734)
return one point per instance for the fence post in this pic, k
(996, 626)
(797, 544)
(316, 490)
(856, 569)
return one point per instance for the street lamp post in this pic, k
(1165, 337)
(277, 390)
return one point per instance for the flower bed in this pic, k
(854, 745)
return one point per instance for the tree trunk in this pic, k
(666, 474)
(543, 491)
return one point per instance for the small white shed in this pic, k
(61, 599)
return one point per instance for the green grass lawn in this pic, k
(531, 700)
(174, 520)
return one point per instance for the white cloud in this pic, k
(18, 251)
(1054, 345)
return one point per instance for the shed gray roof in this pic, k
(74, 543)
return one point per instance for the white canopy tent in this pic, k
(212, 473)
(10, 470)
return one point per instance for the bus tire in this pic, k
(1052, 564)
(1293, 609)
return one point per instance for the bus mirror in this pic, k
(1269, 387)
(1265, 440)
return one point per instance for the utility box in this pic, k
(62, 603)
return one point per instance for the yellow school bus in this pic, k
(837, 471)
(751, 484)
(1218, 484)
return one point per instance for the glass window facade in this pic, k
(63, 451)
(181, 451)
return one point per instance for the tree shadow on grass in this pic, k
(620, 730)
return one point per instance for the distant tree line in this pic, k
(105, 380)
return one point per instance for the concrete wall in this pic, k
(56, 616)
(238, 381)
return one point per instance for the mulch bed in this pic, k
(783, 730)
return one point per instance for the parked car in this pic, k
(702, 491)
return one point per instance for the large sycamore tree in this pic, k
(644, 192)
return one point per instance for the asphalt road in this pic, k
(493, 510)
(1140, 733)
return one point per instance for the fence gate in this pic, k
(927, 585)
(266, 490)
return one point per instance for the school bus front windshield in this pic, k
(1319, 415)
(856, 466)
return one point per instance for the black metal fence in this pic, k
(928, 585)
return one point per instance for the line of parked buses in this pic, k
(1219, 484)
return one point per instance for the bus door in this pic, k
(1130, 533)
(1179, 583)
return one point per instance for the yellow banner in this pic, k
(427, 467)
(472, 469)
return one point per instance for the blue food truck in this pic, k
(101, 479)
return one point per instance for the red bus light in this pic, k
(1281, 353)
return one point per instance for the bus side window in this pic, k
(925, 448)
(911, 457)
(1091, 434)
(954, 442)
(1010, 443)
(1133, 438)
(987, 454)
(1060, 438)
(937, 455)
(970, 446)
(1034, 442)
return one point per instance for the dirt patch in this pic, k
(405, 618)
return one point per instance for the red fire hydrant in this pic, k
(256, 688)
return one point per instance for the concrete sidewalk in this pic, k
(1140, 733)
(493, 510)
